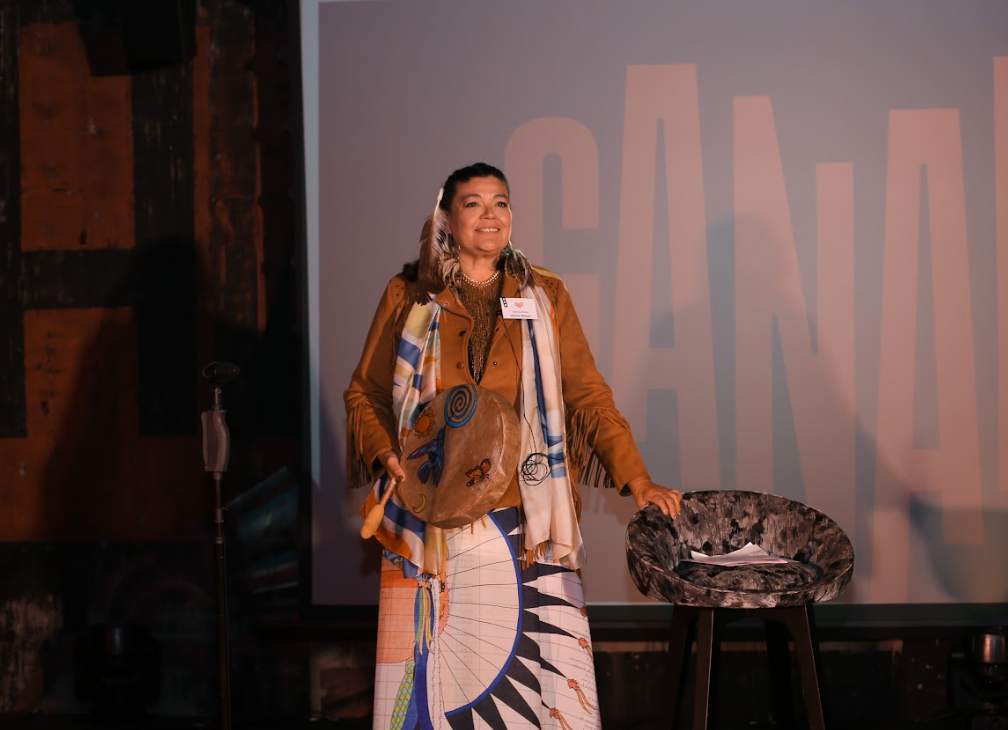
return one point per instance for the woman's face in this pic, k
(480, 218)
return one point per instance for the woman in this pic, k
(485, 625)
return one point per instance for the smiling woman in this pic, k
(499, 634)
(479, 220)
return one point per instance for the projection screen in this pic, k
(784, 226)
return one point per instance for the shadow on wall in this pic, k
(968, 573)
(126, 510)
(126, 389)
(124, 461)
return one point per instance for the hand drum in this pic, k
(460, 456)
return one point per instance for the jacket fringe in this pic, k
(530, 555)
(585, 468)
(357, 470)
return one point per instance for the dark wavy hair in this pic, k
(465, 174)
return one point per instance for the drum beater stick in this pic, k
(377, 512)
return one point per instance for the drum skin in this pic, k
(460, 456)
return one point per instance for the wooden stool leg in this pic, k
(802, 625)
(780, 672)
(680, 643)
(705, 660)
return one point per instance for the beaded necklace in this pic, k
(480, 299)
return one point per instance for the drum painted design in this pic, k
(462, 459)
(460, 405)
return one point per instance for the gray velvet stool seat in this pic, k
(707, 597)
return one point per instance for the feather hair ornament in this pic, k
(435, 250)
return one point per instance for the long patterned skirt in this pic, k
(495, 646)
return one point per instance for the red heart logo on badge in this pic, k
(519, 304)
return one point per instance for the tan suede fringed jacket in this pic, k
(598, 437)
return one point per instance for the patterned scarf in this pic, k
(546, 490)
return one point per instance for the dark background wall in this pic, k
(146, 229)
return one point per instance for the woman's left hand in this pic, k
(646, 492)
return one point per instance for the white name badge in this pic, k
(518, 308)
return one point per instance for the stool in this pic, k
(708, 596)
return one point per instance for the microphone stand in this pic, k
(216, 450)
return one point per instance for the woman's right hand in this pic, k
(389, 460)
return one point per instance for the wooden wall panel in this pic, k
(133, 252)
(74, 420)
(275, 123)
(86, 471)
(77, 146)
(12, 402)
(235, 241)
(166, 300)
(206, 298)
